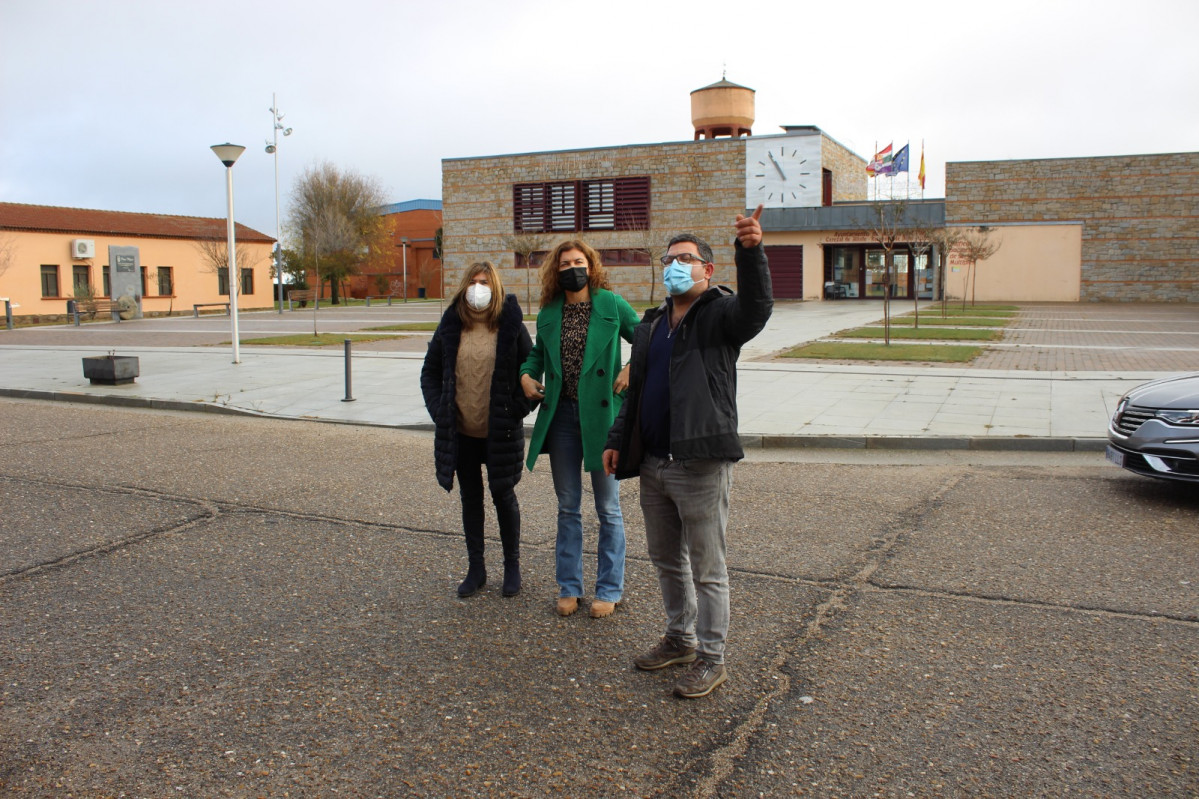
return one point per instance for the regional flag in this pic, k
(900, 164)
(881, 163)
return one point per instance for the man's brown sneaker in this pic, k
(700, 680)
(667, 653)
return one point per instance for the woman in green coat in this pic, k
(577, 355)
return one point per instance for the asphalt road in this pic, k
(201, 606)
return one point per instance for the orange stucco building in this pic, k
(49, 255)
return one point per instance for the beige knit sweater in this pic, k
(472, 372)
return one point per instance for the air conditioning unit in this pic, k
(83, 248)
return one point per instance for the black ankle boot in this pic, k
(476, 578)
(511, 577)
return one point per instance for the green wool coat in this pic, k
(612, 319)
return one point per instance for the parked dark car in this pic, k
(1155, 430)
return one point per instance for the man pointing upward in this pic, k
(677, 431)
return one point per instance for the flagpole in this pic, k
(907, 180)
(874, 177)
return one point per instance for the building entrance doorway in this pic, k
(859, 272)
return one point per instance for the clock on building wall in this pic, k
(782, 171)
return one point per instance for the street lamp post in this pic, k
(273, 149)
(229, 153)
(404, 244)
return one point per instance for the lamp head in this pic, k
(270, 148)
(228, 153)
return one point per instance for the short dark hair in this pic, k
(705, 251)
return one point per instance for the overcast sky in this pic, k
(114, 104)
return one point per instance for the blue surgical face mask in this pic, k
(677, 278)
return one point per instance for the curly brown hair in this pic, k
(598, 276)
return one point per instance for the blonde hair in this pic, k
(491, 314)
(596, 274)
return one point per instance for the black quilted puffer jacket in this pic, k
(509, 407)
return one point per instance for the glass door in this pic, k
(899, 273)
(875, 273)
(924, 277)
(846, 272)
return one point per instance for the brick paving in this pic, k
(1090, 337)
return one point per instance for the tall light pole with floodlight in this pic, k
(229, 153)
(273, 149)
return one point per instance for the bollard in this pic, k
(73, 310)
(8, 313)
(349, 397)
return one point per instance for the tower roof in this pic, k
(723, 84)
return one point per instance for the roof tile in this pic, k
(53, 219)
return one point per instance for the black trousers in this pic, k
(472, 459)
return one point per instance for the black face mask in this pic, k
(573, 279)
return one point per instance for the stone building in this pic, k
(1120, 228)
(1070, 229)
(627, 202)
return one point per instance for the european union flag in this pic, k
(900, 162)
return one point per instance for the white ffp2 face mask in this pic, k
(478, 296)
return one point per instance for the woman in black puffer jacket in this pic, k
(471, 384)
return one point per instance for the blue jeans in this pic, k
(564, 443)
(686, 507)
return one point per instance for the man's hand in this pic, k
(622, 380)
(611, 458)
(749, 232)
(533, 390)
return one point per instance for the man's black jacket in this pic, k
(703, 369)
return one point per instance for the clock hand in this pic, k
(776, 165)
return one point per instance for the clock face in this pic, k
(782, 171)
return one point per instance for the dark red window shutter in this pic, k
(528, 207)
(632, 203)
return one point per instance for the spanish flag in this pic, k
(921, 166)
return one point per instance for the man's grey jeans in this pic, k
(686, 507)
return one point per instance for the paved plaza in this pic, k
(251, 601)
(1051, 383)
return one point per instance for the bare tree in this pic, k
(977, 245)
(8, 252)
(888, 226)
(920, 241)
(945, 240)
(335, 216)
(214, 258)
(214, 255)
(525, 245)
(654, 243)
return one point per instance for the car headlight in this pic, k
(1179, 417)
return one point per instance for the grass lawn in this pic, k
(972, 310)
(921, 353)
(941, 334)
(351, 302)
(308, 340)
(953, 321)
